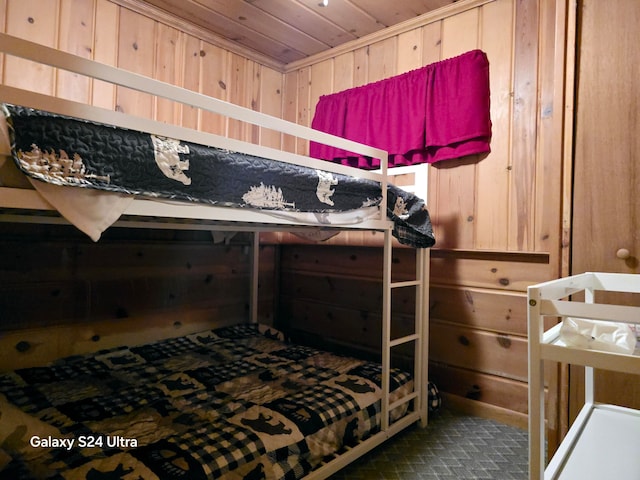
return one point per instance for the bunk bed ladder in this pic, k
(420, 335)
(419, 395)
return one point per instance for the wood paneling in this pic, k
(238, 92)
(30, 19)
(494, 172)
(75, 36)
(488, 270)
(303, 104)
(167, 68)
(478, 308)
(348, 261)
(214, 80)
(382, 60)
(278, 32)
(409, 51)
(476, 386)
(54, 276)
(550, 172)
(322, 80)
(491, 353)
(454, 218)
(105, 50)
(269, 101)
(79, 281)
(334, 294)
(103, 31)
(136, 53)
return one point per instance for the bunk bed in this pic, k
(229, 402)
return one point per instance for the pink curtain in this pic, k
(434, 113)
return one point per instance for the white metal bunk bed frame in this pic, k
(174, 215)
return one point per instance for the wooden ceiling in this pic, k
(286, 31)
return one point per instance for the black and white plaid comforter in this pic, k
(234, 403)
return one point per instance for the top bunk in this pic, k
(68, 162)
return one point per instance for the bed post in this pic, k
(255, 274)
(423, 269)
(422, 324)
(386, 327)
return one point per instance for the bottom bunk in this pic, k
(235, 402)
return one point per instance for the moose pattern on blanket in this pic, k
(235, 403)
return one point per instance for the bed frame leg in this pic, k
(254, 281)
(422, 328)
(386, 327)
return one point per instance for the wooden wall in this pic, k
(62, 294)
(103, 31)
(334, 294)
(498, 219)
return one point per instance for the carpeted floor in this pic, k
(453, 447)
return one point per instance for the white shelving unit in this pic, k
(604, 440)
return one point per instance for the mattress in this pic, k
(237, 402)
(56, 151)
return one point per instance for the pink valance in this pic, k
(437, 112)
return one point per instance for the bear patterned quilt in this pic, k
(236, 402)
(71, 152)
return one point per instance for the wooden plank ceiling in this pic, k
(285, 31)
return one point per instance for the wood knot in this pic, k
(504, 341)
(474, 393)
(469, 297)
(22, 346)
(464, 340)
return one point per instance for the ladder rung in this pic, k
(401, 340)
(403, 400)
(410, 283)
